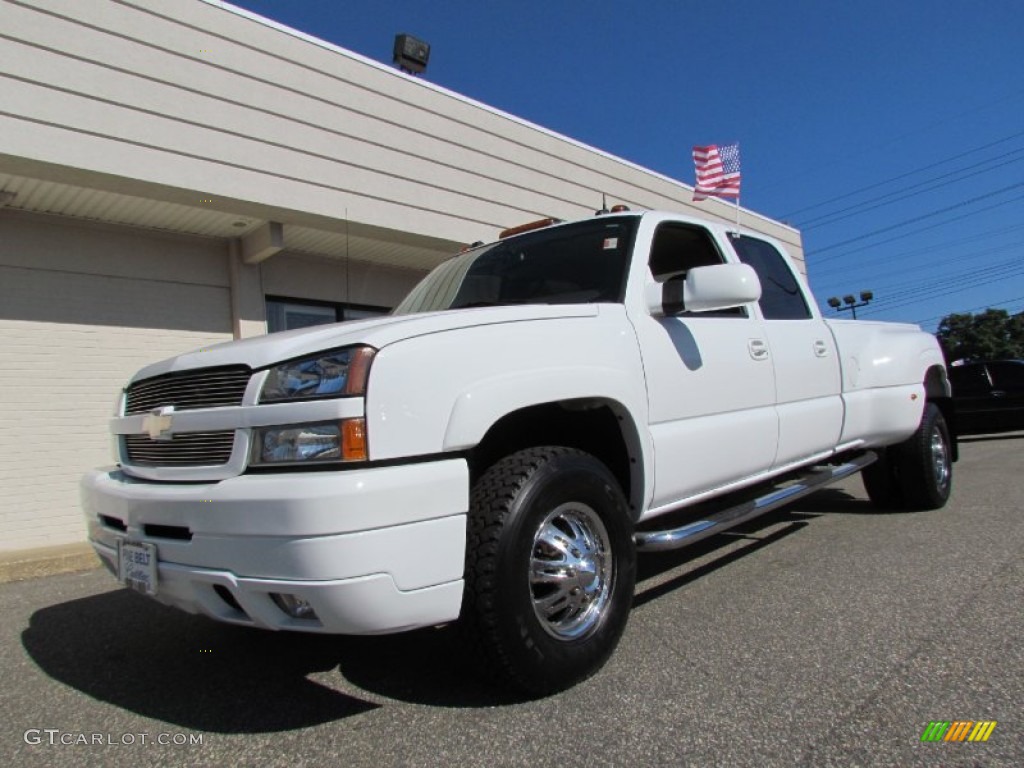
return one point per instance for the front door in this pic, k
(710, 385)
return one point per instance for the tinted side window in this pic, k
(678, 248)
(969, 379)
(781, 297)
(1007, 375)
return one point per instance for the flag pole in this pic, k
(737, 196)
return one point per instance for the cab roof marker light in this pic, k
(529, 227)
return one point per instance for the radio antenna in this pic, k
(348, 258)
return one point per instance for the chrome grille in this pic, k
(190, 449)
(206, 388)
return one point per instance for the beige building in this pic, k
(175, 173)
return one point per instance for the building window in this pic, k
(288, 314)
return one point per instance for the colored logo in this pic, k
(958, 730)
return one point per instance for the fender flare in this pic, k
(479, 407)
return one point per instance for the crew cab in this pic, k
(537, 411)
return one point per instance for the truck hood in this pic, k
(262, 351)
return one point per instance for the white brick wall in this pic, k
(78, 316)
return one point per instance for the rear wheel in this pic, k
(917, 473)
(550, 567)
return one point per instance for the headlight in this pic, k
(340, 373)
(343, 440)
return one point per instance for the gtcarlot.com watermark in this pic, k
(55, 737)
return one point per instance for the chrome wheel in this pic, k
(550, 567)
(940, 458)
(570, 571)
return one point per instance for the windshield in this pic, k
(573, 264)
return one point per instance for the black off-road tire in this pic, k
(529, 514)
(916, 474)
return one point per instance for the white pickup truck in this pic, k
(537, 411)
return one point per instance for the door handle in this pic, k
(820, 348)
(758, 349)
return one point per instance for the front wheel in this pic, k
(550, 568)
(917, 473)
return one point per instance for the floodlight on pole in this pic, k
(849, 302)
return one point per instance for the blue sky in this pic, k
(890, 133)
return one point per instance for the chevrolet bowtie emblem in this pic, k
(157, 423)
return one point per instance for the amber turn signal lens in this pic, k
(353, 440)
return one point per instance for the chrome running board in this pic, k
(810, 481)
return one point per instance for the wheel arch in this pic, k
(938, 390)
(599, 426)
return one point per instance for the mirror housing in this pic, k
(704, 289)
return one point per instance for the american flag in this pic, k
(718, 171)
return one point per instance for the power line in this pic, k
(931, 265)
(1005, 269)
(913, 295)
(897, 195)
(915, 231)
(932, 293)
(969, 311)
(957, 259)
(922, 217)
(942, 286)
(871, 148)
(839, 268)
(903, 175)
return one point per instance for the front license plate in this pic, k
(136, 565)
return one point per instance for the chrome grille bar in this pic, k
(190, 449)
(205, 388)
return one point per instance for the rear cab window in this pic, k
(781, 295)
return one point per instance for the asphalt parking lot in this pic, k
(825, 634)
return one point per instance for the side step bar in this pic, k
(809, 482)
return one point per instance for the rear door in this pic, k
(807, 376)
(1008, 392)
(972, 395)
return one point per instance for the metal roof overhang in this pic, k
(42, 188)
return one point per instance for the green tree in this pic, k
(994, 334)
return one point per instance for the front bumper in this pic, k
(372, 550)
